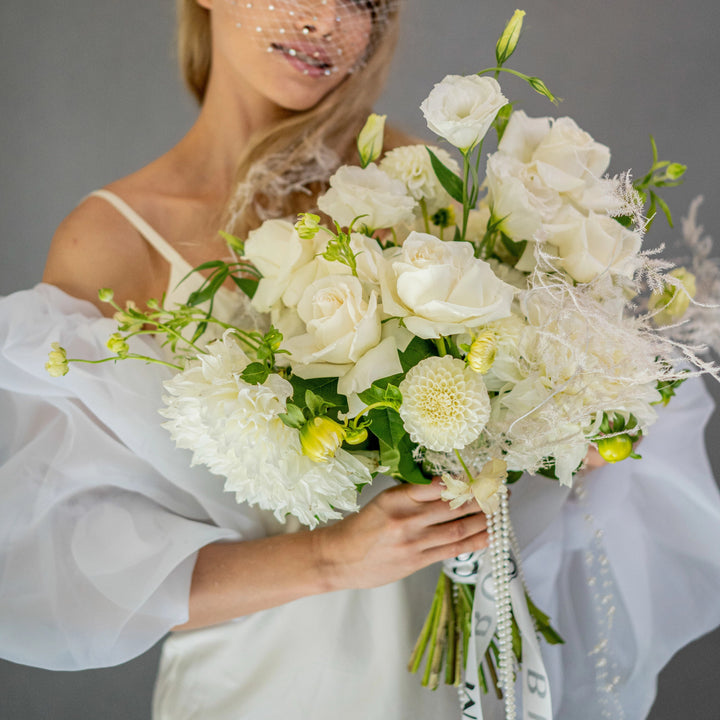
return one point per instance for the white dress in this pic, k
(101, 518)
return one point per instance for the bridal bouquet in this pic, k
(441, 324)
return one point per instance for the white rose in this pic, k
(340, 324)
(591, 245)
(370, 192)
(518, 194)
(340, 335)
(412, 166)
(441, 288)
(275, 249)
(462, 109)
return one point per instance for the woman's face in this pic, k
(291, 52)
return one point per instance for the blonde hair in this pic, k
(284, 168)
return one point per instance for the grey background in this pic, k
(90, 92)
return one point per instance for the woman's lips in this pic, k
(307, 58)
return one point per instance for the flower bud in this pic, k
(320, 437)
(130, 319)
(370, 139)
(509, 39)
(105, 295)
(57, 364)
(540, 87)
(675, 171)
(482, 352)
(672, 302)
(116, 343)
(355, 436)
(614, 449)
(444, 217)
(307, 226)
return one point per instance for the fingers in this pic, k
(452, 532)
(472, 543)
(425, 493)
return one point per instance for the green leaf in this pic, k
(448, 179)
(209, 288)
(390, 457)
(410, 471)
(316, 404)
(516, 249)
(199, 330)
(387, 425)
(502, 119)
(326, 388)
(255, 373)
(417, 350)
(247, 285)
(294, 417)
(666, 210)
(513, 476)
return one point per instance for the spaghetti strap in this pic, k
(152, 236)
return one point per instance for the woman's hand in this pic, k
(402, 530)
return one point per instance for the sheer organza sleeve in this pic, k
(630, 570)
(101, 516)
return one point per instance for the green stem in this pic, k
(464, 466)
(380, 403)
(440, 345)
(498, 70)
(129, 356)
(466, 204)
(426, 219)
(422, 641)
(452, 642)
(438, 650)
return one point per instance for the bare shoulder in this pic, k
(96, 247)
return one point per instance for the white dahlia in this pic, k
(445, 405)
(234, 429)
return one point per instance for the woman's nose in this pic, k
(320, 17)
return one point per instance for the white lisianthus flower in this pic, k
(276, 250)
(591, 245)
(566, 160)
(445, 405)
(441, 288)
(572, 152)
(370, 192)
(519, 197)
(483, 487)
(411, 165)
(522, 135)
(234, 429)
(461, 109)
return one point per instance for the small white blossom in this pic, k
(485, 487)
(412, 166)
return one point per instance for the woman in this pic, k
(289, 114)
(119, 554)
